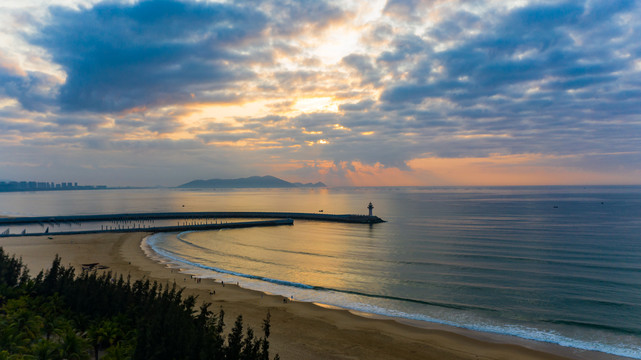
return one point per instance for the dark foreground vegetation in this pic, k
(58, 315)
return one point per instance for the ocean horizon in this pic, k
(556, 264)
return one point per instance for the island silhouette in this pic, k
(248, 182)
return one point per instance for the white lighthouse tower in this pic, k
(370, 207)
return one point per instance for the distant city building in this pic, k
(45, 186)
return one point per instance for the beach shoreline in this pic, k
(300, 330)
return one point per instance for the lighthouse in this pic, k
(370, 207)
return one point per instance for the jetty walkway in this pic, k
(190, 221)
(358, 219)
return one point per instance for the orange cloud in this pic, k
(359, 174)
(12, 67)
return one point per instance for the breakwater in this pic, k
(160, 222)
(187, 227)
(357, 219)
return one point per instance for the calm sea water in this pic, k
(553, 264)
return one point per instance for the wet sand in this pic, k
(299, 330)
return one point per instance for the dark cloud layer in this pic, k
(530, 44)
(539, 70)
(119, 57)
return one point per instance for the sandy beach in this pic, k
(299, 330)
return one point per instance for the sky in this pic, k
(351, 93)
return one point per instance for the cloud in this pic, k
(291, 18)
(403, 47)
(364, 67)
(406, 10)
(31, 90)
(359, 106)
(245, 85)
(532, 53)
(120, 56)
(136, 57)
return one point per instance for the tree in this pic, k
(45, 350)
(119, 351)
(98, 338)
(52, 310)
(72, 345)
(234, 340)
(58, 315)
(264, 344)
(22, 325)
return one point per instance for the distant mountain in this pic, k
(249, 182)
(318, 184)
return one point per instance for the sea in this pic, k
(557, 264)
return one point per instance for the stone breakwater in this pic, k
(190, 227)
(360, 219)
(275, 219)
